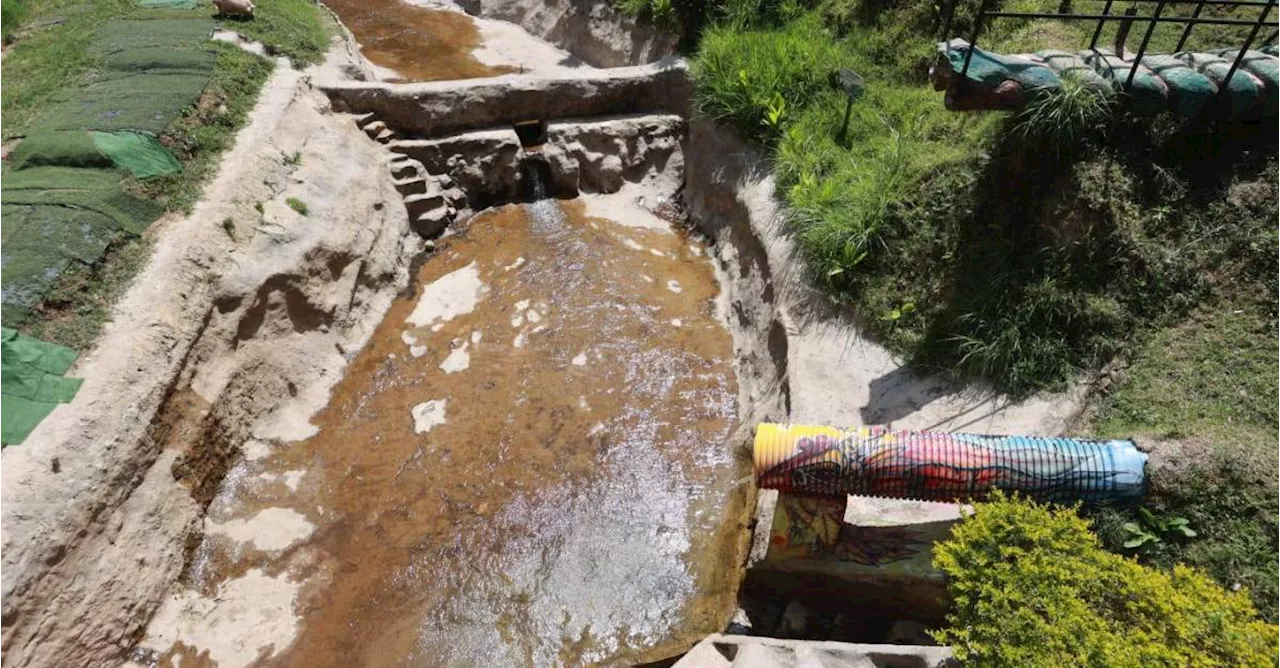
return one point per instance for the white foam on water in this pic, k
(458, 360)
(428, 414)
(448, 297)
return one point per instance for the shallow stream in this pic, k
(528, 464)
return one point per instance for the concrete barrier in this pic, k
(728, 651)
(445, 107)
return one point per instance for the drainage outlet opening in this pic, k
(532, 134)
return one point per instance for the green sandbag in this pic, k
(142, 154)
(1266, 68)
(1189, 91)
(990, 69)
(1246, 94)
(1147, 94)
(1066, 64)
(31, 383)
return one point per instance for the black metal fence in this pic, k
(1126, 20)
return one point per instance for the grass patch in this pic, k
(294, 28)
(1208, 385)
(297, 205)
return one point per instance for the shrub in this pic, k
(297, 205)
(1031, 586)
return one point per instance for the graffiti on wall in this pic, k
(937, 466)
(814, 527)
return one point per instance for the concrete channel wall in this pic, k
(446, 107)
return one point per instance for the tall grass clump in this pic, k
(1062, 119)
(12, 14)
(759, 80)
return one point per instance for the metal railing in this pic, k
(1127, 19)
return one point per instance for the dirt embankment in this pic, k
(247, 306)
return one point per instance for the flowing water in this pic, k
(418, 43)
(528, 464)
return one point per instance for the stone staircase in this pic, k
(433, 201)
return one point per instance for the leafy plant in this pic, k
(297, 205)
(1032, 586)
(1154, 529)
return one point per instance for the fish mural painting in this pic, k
(939, 466)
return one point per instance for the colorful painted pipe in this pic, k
(939, 466)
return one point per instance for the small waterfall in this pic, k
(535, 172)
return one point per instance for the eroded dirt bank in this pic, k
(100, 501)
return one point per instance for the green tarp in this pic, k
(54, 216)
(139, 153)
(31, 383)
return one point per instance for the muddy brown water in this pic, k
(419, 43)
(530, 463)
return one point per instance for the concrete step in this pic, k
(405, 167)
(374, 129)
(415, 185)
(385, 136)
(365, 119)
(419, 204)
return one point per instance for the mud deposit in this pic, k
(527, 465)
(419, 43)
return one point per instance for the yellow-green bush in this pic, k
(1031, 586)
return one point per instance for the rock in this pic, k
(433, 222)
(797, 620)
(610, 174)
(908, 632)
(596, 32)
(762, 656)
(234, 7)
(740, 624)
(597, 155)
